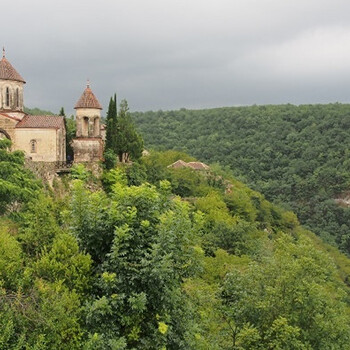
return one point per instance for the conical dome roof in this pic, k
(7, 72)
(88, 100)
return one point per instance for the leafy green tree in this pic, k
(38, 225)
(297, 156)
(17, 184)
(70, 126)
(63, 262)
(136, 174)
(111, 124)
(110, 159)
(91, 220)
(284, 303)
(37, 111)
(79, 172)
(129, 143)
(142, 247)
(11, 260)
(62, 113)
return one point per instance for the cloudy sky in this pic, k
(169, 54)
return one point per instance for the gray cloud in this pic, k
(163, 54)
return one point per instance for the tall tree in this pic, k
(62, 113)
(70, 133)
(110, 157)
(129, 143)
(111, 132)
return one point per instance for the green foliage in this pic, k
(63, 262)
(60, 314)
(122, 139)
(286, 300)
(39, 226)
(37, 111)
(79, 172)
(297, 155)
(90, 219)
(17, 184)
(41, 275)
(129, 143)
(143, 264)
(61, 112)
(70, 134)
(10, 260)
(137, 266)
(136, 174)
(111, 126)
(112, 177)
(110, 159)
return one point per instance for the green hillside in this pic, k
(298, 156)
(147, 257)
(37, 111)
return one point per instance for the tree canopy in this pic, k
(17, 184)
(296, 155)
(122, 139)
(151, 257)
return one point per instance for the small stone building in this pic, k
(42, 138)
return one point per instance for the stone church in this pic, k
(43, 138)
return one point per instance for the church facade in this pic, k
(43, 138)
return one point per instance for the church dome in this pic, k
(88, 100)
(7, 72)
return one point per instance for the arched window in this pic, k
(85, 127)
(7, 97)
(96, 127)
(17, 98)
(33, 146)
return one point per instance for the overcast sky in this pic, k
(169, 54)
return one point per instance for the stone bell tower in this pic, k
(11, 89)
(88, 145)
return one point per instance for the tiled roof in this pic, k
(7, 72)
(194, 165)
(198, 165)
(88, 100)
(178, 164)
(41, 121)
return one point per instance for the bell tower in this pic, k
(11, 89)
(88, 114)
(88, 145)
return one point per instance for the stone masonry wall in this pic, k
(46, 143)
(8, 125)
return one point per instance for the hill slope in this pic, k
(297, 155)
(148, 257)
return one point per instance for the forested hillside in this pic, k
(147, 257)
(296, 155)
(37, 111)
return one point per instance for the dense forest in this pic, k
(297, 156)
(143, 256)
